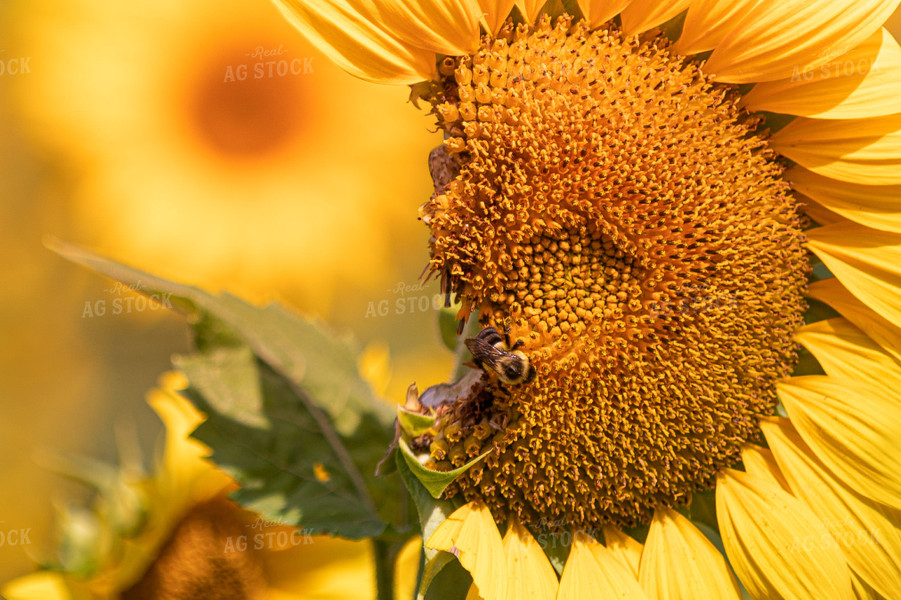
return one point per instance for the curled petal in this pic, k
(471, 535)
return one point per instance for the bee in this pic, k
(491, 351)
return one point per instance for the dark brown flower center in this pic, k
(617, 211)
(207, 558)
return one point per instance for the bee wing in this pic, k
(483, 353)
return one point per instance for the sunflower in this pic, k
(684, 216)
(224, 153)
(175, 534)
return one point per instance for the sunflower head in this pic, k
(623, 217)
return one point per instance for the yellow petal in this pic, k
(591, 571)
(374, 364)
(406, 567)
(852, 429)
(862, 591)
(819, 213)
(866, 151)
(865, 82)
(494, 13)
(876, 206)
(598, 12)
(708, 22)
(680, 562)
(881, 330)
(773, 542)
(439, 26)
(473, 593)
(321, 567)
(42, 585)
(184, 476)
(866, 531)
(845, 351)
(641, 15)
(760, 462)
(349, 36)
(530, 9)
(530, 575)
(471, 535)
(626, 549)
(866, 261)
(775, 38)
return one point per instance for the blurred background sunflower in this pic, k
(207, 142)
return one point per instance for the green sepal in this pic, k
(435, 481)
(414, 424)
(432, 513)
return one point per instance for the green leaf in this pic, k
(451, 583)
(283, 396)
(435, 481)
(556, 547)
(703, 508)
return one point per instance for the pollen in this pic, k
(625, 218)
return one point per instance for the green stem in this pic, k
(385, 558)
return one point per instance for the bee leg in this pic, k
(516, 345)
